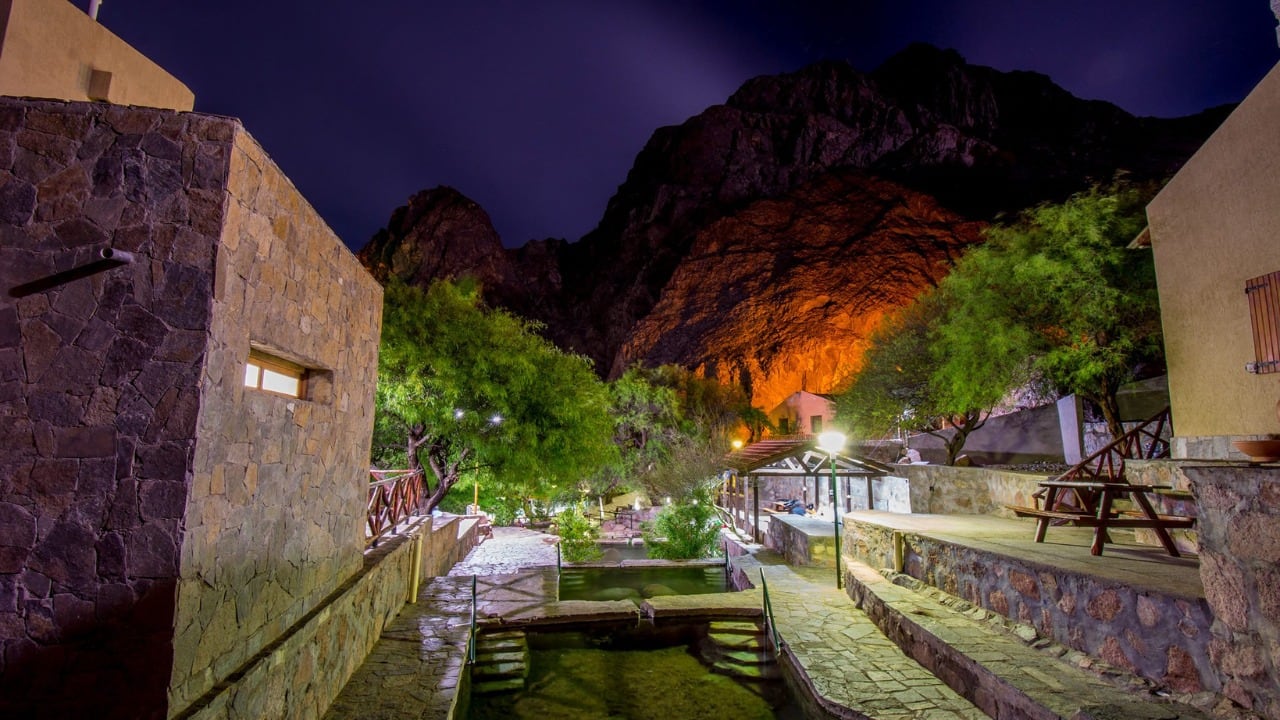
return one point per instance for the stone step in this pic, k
(745, 657)
(735, 641)
(734, 627)
(504, 635)
(497, 686)
(995, 669)
(498, 670)
(507, 644)
(487, 657)
(748, 672)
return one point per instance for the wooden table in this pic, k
(1094, 509)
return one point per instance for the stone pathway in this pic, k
(853, 669)
(848, 662)
(510, 550)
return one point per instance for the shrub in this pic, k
(577, 536)
(684, 531)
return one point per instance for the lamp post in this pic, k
(832, 442)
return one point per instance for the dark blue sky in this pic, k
(536, 108)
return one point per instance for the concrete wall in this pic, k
(99, 394)
(276, 512)
(1240, 567)
(1213, 227)
(1031, 435)
(50, 49)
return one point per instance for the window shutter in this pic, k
(1264, 314)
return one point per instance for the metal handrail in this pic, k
(471, 634)
(768, 612)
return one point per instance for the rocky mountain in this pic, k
(760, 240)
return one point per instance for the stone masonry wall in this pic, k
(300, 676)
(943, 490)
(1240, 568)
(276, 513)
(1158, 636)
(99, 393)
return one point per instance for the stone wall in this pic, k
(300, 675)
(159, 523)
(943, 490)
(1240, 568)
(276, 511)
(100, 371)
(1158, 636)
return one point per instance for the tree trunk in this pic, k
(1109, 404)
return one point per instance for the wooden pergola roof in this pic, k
(798, 456)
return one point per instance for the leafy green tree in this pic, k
(578, 535)
(672, 430)
(685, 530)
(897, 388)
(467, 389)
(1055, 296)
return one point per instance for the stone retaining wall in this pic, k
(799, 547)
(300, 674)
(944, 490)
(1160, 637)
(1240, 568)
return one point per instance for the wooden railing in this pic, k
(1144, 442)
(394, 495)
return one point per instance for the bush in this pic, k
(685, 531)
(577, 536)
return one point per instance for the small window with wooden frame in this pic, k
(275, 375)
(1264, 314)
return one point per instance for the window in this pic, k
(815, 424)
(783, 426)
(275, 375)
(1264, 314)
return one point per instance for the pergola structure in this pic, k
(792, 458)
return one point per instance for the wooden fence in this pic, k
(394, 495)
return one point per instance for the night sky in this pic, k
(536, 108)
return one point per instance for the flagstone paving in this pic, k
(853, 669)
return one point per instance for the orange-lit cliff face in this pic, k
(760, 241)
(782, 295)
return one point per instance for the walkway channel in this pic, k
(852, 669)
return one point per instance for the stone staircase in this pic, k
(738, 648)
(502, 662)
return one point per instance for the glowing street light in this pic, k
(832, 442)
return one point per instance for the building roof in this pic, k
(798, 456)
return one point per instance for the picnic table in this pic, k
(1092, 504)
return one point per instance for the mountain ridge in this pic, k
(956, 144)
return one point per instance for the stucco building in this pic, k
(50, 49)
(1213, 230)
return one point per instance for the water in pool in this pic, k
(686, 672)
(638, 583)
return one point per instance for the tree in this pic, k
(1056, 296)
(467, 389)
(897, 386)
